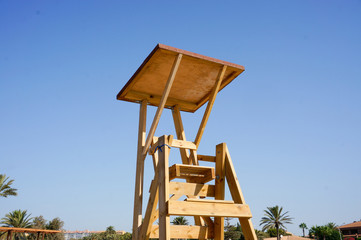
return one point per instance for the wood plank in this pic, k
(178, 124)
(208, 222)
(206, 158)
(183, 144)
(160, 108)
(185, 232)
(155, 100)
(150, 211)
(175, 143)
(220, 188)
(212, 98)
(208, 200)
(153, 146)
(195, 174)
(155, 156)
(191, 189)
(237, 196)
(164, 220)
(232, 180)
(186, 208)
(139, 176)
(193, 157)
(248, 229)
(194, 80)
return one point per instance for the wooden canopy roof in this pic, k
(192, 85)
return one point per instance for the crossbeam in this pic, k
(191, 189)
(185, 232)
(187, 208)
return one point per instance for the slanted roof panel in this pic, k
(192, 85)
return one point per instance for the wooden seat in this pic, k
(192, 173)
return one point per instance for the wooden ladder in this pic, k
(204, 199)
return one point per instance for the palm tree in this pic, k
(110, 230)
(19, 219)
(274, 218)
(5, 189)
(180, 221)
(303, 226)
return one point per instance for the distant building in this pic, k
(80, 234)
(351, 230)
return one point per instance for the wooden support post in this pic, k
(152, 204)
(193, 157)
(155, 156)
(163, 168)
(43, 236)
(138, 193)
(211, 100)
(9, 235)
(219, 188)
(180, 133)
(236, 192)
(166, 91)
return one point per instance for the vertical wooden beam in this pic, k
(43, 236)
(155, 156)
(138, 193)
(163, 167)
(9, 235)
(38, 236)
(219, 188)
(178, 124)
(236, 193)
(211, 100)
(152, 204)
(162, 102)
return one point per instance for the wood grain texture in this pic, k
(220, 188)
(138, 193)
(192, 86)
(212, 98)
(160, 108)
(185, 232)
(191, 189)
(163, 173)
(187, 208)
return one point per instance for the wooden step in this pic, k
(208, 200)
(192, 173)
(185, 232)
(209, 209)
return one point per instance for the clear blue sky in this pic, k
(292, 120)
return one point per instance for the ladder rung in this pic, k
(206, 158)
(188, 208)
(208, 200)
(192, 189)
(192, 173)
(185, 232)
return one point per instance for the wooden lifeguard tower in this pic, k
(183, 81)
